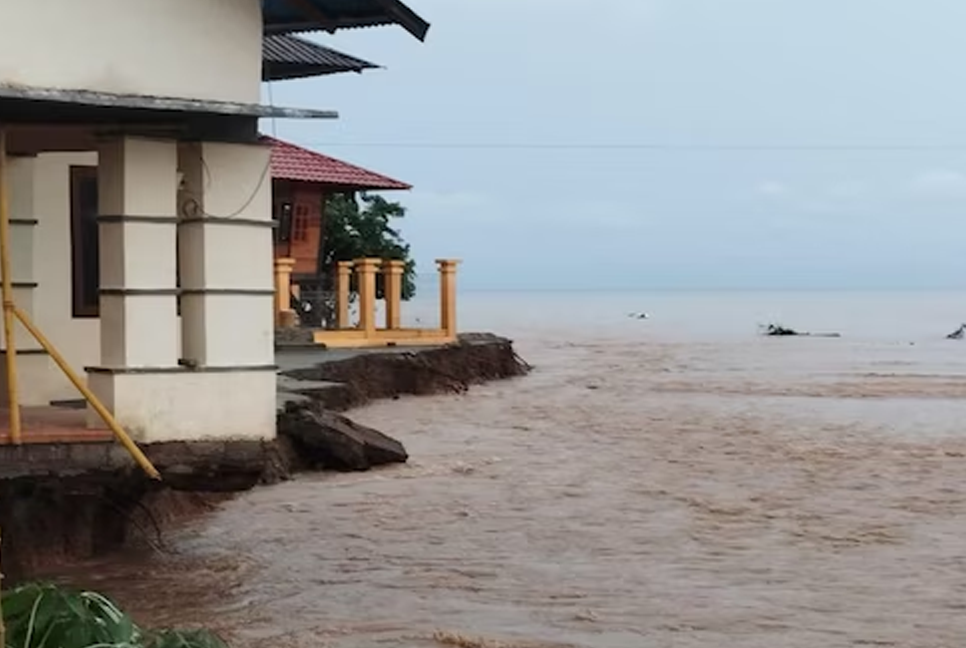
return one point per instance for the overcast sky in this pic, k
(605, 80)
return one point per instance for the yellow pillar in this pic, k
(342, 277)
(366, 270)
(392, 273)
(447, 296)
(284, 317)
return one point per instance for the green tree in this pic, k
(358, 227)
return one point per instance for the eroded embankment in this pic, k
(59, 504)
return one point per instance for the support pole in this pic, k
(284, 317)
(7, 292)
(366, 270)
(392, 276)
(342, 278)
(98, 406)
(447, 296)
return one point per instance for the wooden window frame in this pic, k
(79, 255)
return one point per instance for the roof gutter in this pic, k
(406, 17)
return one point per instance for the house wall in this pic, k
(304, 249)
(31, 362)
(77, 339)
(200, 49)
(41, 262)
(227, 317)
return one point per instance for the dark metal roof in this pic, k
(285, 16)
(291, 57)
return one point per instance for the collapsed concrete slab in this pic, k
(324, 440)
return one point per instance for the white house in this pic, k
(150, 108)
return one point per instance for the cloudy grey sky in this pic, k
(572, 96)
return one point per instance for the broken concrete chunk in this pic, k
(324, 439)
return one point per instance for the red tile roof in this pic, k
(291, 162)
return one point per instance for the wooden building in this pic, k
(301, 181)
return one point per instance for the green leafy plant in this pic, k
(185, 639)
(47, 616)
(358, 227)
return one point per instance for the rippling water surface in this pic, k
(676, 481)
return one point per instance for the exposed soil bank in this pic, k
(359, 379)
(59, 503)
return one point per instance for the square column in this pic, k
(228, 287)
(37, 381)
(137, 191)
(226, 255)
(137, 184)
(366, 270)
(447, 295)
(342, 280)
(392, 275)
(284, 315)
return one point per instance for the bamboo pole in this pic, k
(7, 293)
(98, 406)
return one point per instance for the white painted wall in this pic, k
(199, 406)
(78, 339)
(200, 49)
(237, 329)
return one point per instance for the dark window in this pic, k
(283, 216)
(84, 239)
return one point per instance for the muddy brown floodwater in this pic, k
(752, 494)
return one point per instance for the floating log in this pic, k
(777, 330)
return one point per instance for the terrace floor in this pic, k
(50, 424)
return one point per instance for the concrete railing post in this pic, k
(447, 295)
(366, 270)
(284, 315)
(342, 278)
(392, 272)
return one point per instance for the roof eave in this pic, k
(396, 13)
(290, 73)
(95, 99)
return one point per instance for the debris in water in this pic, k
(958, 334)
(777, 330)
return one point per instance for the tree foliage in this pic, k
(355, 231)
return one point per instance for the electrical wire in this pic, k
(191, 208)
(643, 146)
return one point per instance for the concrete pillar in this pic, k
(284, 317)
(226, 258)
(137, 192)
(34, 368)
(392, 273)
(366, 270)
(222, 385)
(342, 279)
(447, 295)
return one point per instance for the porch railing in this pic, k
(367, 331)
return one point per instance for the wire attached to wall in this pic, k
(191, 208)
